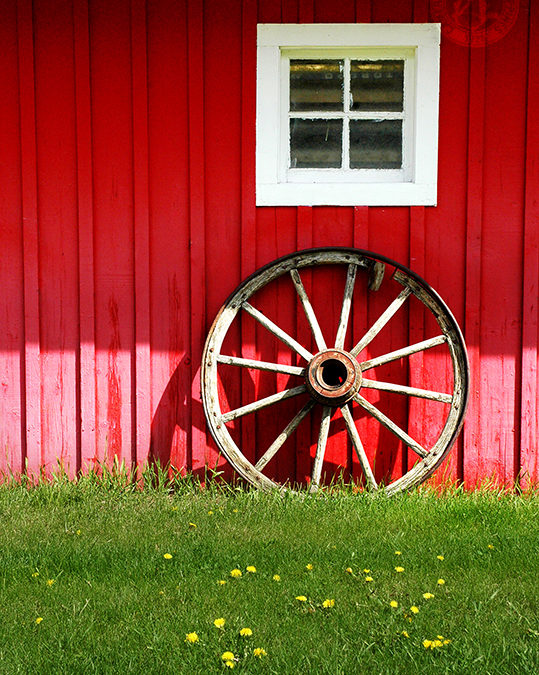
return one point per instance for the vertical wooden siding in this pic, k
(127, 215)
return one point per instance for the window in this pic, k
(347, 114)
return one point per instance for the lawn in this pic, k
(98, 577)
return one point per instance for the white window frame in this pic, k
(416, 183)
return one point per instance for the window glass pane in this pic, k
(376, 85)
(316, 85)
(315, 144)
(375, 144)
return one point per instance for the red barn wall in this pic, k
(127, 215)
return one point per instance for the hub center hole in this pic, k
(333, 373)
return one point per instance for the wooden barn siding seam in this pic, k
(141, 257)
(529, 415)
(31, 441)
(197, 452)
(86, 385)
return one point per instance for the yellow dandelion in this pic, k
(78, 533)
(236, 573)
(366, 571)
(446, 642)
(192, 525)
(251, 569)
(368, 579)
(230, 664)
(405, 633)
(260, 652)
(491, 546)
(427, 644)
(440, 557)
(414, 609)
(329, 602)
(50, 582)
(235, 510)
(191, 637)
(301, 598)
(394, 603)
(219, 623)
(210, 513)
(227, 656)
(441, 582)
(399, 569)
(398, 552)
(39, 620)
(276, 577)
(428, 596)
(437, 643)
(309, 567)
(246, 632)
(167, 556)
(349, 570)
(221, 582)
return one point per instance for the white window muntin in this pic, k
(273, 39)
(346, 174)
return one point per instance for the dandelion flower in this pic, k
(329, 602)
(398, 552)
(301, 598)
(399, 569)
(258, 651)
(405, 633)
(191, 637)
(235, 510)
(349, 570)
(227, 656)
(219, 623)
(366, 571)
(230, 664)
(78, 533)
(441, 582)
(428, 596)
(251, 569)
(50, 582)
(221, 582)
(276, 577)
(427, 643)
(368, 579)
(192, 525)
(393, 604)
(414, 609)
(167, 556)
(490, 546)
(309, 567)
(39, 620)
(440, 557)
(210, 513)
(236, 573)
(437, 643)
(246, 632)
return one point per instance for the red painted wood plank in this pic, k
(11, 262)
(169, 232)
(529, 409)
(142, 389)
(363, 11)
(110, 47)
(197, 216)
(58, 248)
(87, 364)
(32, 356)
(474, 211)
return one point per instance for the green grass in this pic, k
(116, 604)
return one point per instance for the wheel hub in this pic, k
(333, 377)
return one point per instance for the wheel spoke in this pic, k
(407, 391)
(278, 332)
(286, 433)
(346, 303)
(358, 447)
(261, 365)
(391, 426)
(381, 321)
(262, 403)
(308, 309)
(321, 447)
(405, 351)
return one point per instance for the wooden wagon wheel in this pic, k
(328, 375)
